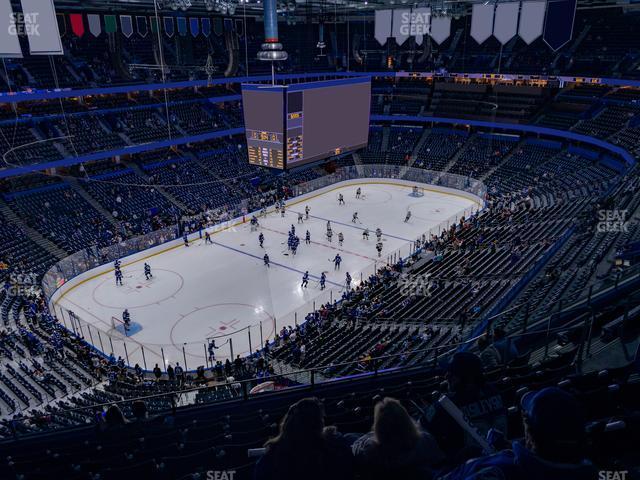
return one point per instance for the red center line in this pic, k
(328, 246)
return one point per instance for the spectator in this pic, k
(482, 406)
(396, 447)
(553, 446)
(489, 354)
(305, 448)
(157, 372)
(114, 418)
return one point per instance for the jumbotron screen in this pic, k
(291, 125)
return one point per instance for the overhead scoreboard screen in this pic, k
(292, 125)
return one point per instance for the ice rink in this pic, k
(224, 291)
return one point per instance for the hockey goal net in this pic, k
(417, 191)
(118, 326)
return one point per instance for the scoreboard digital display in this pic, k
(264, 126)
(292, 125)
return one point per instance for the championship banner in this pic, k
(531, 20)
(41, 27)
(126, 25)
(506, 23)
(440, 29)
(382, 26)
(9, 41)
(95, 28)
(558, 24)
(141, 24)
(482, 21)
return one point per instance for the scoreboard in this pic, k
(292, 125)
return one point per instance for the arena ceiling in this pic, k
(297, 7)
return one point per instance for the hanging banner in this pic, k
(228, 25)
(440, 29)
(95, 28)
(168, 26)
(110, 24)
(62, 24)
(206, 27)
(482, 21)
(77, 24)
(182, 26)
(239, 27)
(217, 26)
(382, 26)
(194, 26)
(141, 25)
(401, 25)
(41, 27)
(531, 20)
(505, 26)
(154, 24)
(9, 41)
(420, 23)
(558, 23)
(126, 25)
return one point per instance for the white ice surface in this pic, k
(225, 291)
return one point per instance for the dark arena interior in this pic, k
(319, 239)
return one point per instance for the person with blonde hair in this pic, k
(396, 447)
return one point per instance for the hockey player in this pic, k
(293, 229)
(147, 271)
(212, 351)
(307, 238)
(207, 238)
(126, 319)
(337, 261)
(282, 211)
(379, 248)
(261, 240)
(354, 219)
(306, 212)
(328, 224)
(408, 216)
(118, 274)
(294, 245)
(300, 218)
(254, 223)
(348, 281)
(305, 279)
(266, 260)
(378, 234)
(323, 280)
(358, 192)
(365, 234)
(340, 238)
(340, 199)
(329, 235)
(116, 264)
(185, 239)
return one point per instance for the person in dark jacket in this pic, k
(305, 448)
(396, 447)
(553, 446)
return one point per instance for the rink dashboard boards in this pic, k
(292, 125)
